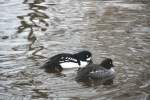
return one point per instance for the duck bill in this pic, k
(113, 66)
(89, 60)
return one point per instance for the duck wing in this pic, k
(59, 56)
(54, 60)
(67, 58)
(83, 73)
(101, 74)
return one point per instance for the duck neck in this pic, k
(106, 66)
(77, 57)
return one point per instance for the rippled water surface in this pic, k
(33, 30)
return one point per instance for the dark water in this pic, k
(33, 30)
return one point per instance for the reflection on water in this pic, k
(33, 22)
(33, 29)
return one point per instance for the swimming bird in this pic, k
(103, 71)
(66, 60)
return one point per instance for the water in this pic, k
(33, 30)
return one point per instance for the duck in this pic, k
(66, 60)
(104, 71)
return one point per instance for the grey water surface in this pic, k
(31, 31)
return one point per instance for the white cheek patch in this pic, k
(88, 59)
(69, 65)
(83, 63)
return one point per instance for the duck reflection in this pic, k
(34, 21)
(91, 83)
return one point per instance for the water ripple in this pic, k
(32, 30)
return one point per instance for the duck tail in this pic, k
(44, 66)
(51, 67)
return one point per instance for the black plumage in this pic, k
(54, 63)
(101, 71)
